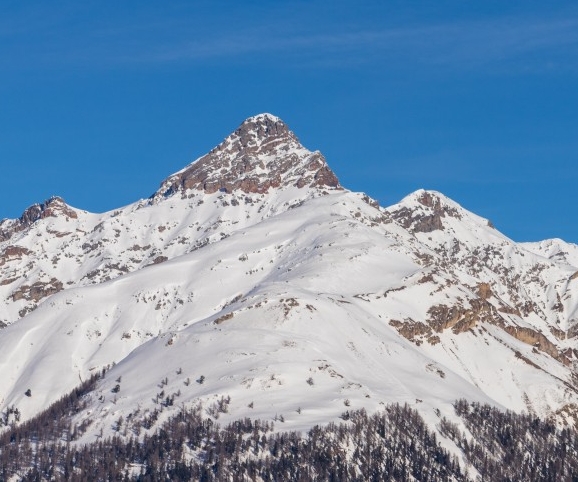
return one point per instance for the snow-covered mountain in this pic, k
(253, 283)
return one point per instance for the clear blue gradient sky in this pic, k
(100, 101)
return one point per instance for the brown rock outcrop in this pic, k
(53, 207)
(484, 291)
(261, 154)
(11, 253)
(428, 221)
(461, 319)
(415, 331)
(38, 290)
(538, 340)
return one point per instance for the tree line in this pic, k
(393, 444)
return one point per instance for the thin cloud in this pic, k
(503, 42)
(464, 44)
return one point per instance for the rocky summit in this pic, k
(261, 154)
(252, 284)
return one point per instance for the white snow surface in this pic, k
(287, 302)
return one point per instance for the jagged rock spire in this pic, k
(262, 153)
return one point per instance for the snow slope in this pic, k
(253, 283)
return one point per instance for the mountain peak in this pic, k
(260, 134)
(426, 211)
(264, 118)
(52, 207)
(262, 153)
(428, 198)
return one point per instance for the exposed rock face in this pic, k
(428, 218)
(55, 206)
(538, 340)
(38, 290)
(425, 269)
(461, 320)
(10, 253)
(484, 291)
(261, 154)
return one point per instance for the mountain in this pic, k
(252, 284)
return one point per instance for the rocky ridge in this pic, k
(261, 154)
(254, 275)
(52, 207)
(530, 297)
(261, 157)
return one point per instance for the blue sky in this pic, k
(100, 101)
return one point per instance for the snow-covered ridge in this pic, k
(555, 249)
(252, 274)
(53, 246)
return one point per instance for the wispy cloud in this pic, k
(56, 38)
(463, 44)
